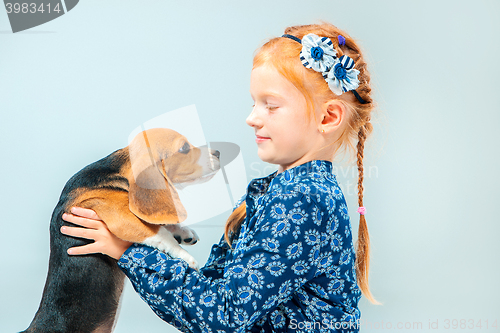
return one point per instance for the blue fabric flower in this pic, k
(340, 72)
(317, 53)
(342, 77)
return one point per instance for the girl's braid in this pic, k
(363, 242)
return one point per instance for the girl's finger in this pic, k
(84, 222)
(85, 249)
(79, 232)
(85, 212)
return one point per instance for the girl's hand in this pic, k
(95, 229)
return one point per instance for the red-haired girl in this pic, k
(286, 260)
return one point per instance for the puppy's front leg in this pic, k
(165, 241)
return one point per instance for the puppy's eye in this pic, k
(185, 149)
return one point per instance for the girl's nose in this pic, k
(253, 120)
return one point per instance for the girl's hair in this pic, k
(284, 55)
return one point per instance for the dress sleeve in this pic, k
(271, 260)
(214, 267)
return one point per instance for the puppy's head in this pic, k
(161, 160)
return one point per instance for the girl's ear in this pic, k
(332, 115)
(154, 198)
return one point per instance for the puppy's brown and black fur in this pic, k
(133, 192)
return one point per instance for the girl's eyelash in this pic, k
(269, 107)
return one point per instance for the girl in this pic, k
(286, 260)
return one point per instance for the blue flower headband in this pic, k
(318, 54)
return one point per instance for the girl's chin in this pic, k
(269, 158)
(265, 156)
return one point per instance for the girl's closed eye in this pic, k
(270, 107)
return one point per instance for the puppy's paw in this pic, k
(193, 264)
(183, 235)
(188, 258)
(165, 241)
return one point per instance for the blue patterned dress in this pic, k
(291, 268)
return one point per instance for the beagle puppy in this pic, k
(133, 190)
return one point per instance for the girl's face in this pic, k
(284, 134)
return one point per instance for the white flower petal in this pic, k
(334, 85)
(351, 81)
(331, 52)
(310, 41)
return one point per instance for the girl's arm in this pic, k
(107, 243)
(287, 246)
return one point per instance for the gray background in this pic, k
(72, 90)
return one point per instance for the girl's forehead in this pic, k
(266, 80)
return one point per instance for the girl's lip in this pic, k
(261, 139)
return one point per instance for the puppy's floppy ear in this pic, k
(152, 196)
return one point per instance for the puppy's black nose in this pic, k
(217, 154)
